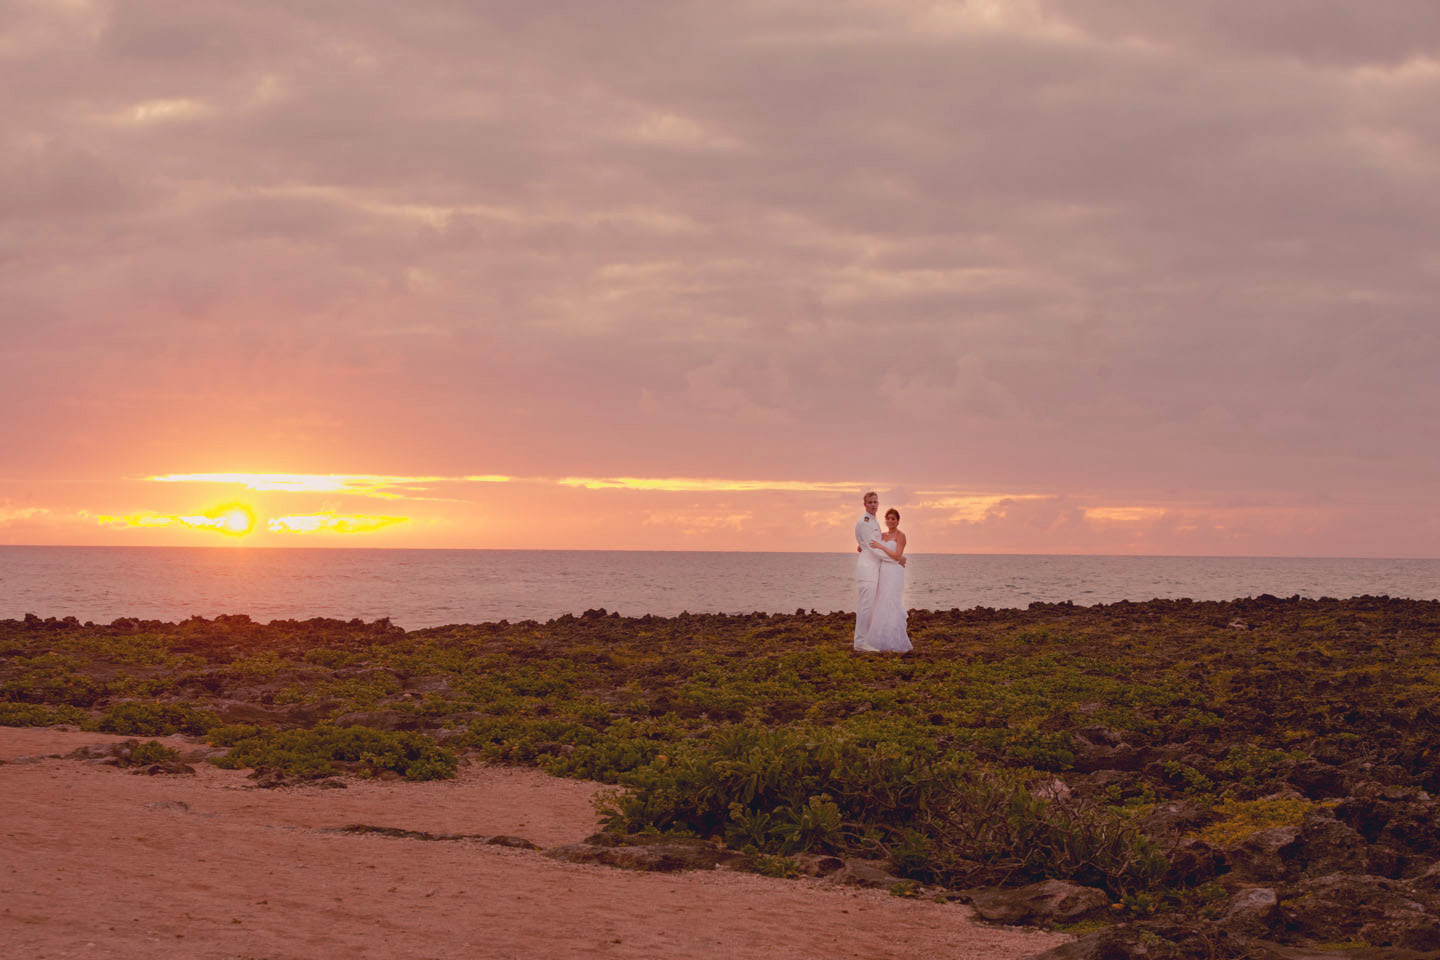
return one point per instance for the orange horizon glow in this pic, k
(657, 512)
(331, 522)
(230, 519)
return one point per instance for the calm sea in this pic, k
(422, 588)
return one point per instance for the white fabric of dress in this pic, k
(887, 622)
(867, 577)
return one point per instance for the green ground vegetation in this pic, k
(971, 760)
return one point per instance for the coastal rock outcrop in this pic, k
(866, 873)
(1049, 901)
(1377, 910)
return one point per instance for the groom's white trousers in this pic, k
(864, 611)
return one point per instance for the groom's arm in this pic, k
(864, 533)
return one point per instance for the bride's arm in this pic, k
(898, 554)
(892, 554)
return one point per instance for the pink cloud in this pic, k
(1108, 254)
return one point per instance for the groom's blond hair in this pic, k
(868, 494)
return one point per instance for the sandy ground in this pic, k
(98, 862)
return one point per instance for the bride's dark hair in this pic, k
(894, 511)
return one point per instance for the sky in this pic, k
(1053, 276)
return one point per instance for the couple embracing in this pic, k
(880, 579)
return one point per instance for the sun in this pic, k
(231, 519)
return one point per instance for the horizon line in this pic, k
(993, 553)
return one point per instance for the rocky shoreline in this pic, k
(1260, 773)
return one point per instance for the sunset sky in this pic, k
(1054, 276)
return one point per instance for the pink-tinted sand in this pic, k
(99, 862)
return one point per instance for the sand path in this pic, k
(96, 862)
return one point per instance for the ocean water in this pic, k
(423, 588)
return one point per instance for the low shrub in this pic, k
(1240, 818)
(153, 751)
(769, 865)
(792, 789)
(321, 751)
(38, 715)
(51, 678)
(229, 734)
(144, 719)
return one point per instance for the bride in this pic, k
(887, 626)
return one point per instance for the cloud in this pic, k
(331, 522)
(10, 514)
(363, 485)
(1128, 251)
(706, 485)
(230, 519)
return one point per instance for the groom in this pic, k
(867, 569)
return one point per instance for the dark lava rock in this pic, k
(388, 720)
(1377, 910)
(1318, 781)
(180, 806)
(1097, 735)
(1049, 901)
(1428, 883)
(1250, 910)
(1090, 757)
(400, 833)
(1325, 845)
(261, 714)
(1401, 826)
(95, 751)
(664, 856)
(866, 873)
(1193, 860)
(1262, 855)
(818, 864)
(1112, 943)
(268, 778)
(505, 840)
(167, 767)
(1175, 817)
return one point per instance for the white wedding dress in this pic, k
(887, 625)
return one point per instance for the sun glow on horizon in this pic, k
(231, 519)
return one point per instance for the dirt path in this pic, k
(100, 863)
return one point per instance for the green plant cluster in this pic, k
(146, 719)
(806, 788)
(328, 750)
(39, 715)
(770, 732)
(153, 751)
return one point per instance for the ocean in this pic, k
(425, 588)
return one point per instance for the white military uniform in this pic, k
(867, 576)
